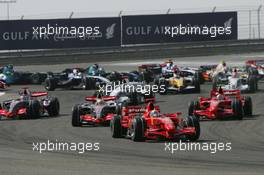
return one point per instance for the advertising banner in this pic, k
(59, 33)
(168, 28)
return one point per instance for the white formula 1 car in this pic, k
(245, 85)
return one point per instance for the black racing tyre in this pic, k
(193, 105)
(33, 110)
(197, 86)
(147, 77)
(76, 122)
(252, 84)
(120, 106)
(192, 121)
(140, 77)
(36, 78)
(138, 129)
(116, 127)
(134, 98)
(257, 85)
(87, 83)
(200, 77)
(54, 107)
(248, 107)
(50, 84)
(252, 71)
(237, 109)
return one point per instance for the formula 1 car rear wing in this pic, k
(255, 62)
(138, 109)
(39, 94)
(229, 93)
(143, 66)
(105, 98)
(148, 100)
(155, 68)
(232, 93)
(134, 110)
(208, 67)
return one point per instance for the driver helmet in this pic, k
(220, 90)
(10, 66)
(100, 102)
(25, 94)
(176, 71)
(154, 113)
(220, 94)
(75, 71)
(150, 107)
(99, 95)
(234, 72)
(223, 63)
(114, 73)
(169, 63)
(96, 66)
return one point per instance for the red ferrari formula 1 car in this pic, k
(222, 104)
(30, 106)
(141, 123)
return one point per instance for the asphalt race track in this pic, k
(122, 156)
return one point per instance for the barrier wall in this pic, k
(119, 31)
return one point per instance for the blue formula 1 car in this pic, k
(10, 76)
